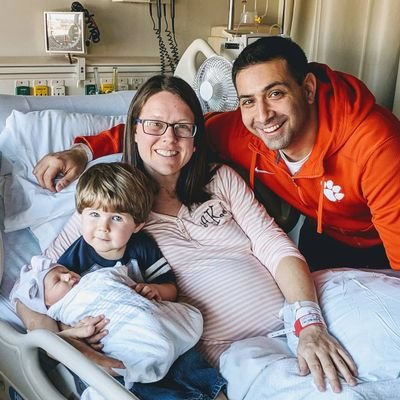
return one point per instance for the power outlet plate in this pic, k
(22, 88)
(106, 85)
(58, 90)
(40, 87)
(136, 82)
(122, 84)
(91, 87)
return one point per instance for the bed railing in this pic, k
(27, 377)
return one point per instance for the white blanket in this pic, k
(362, 310)
(263, 368)
(147, 336)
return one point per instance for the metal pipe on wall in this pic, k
(231, 15)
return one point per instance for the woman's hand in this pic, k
(91, 329)
(86, 335)
(107, 363)
(55, 171)
(320, 353)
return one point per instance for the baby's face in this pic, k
(57, 283)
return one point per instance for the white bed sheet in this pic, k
(19, 246)
(263, 369)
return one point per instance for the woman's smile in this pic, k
(166, 153)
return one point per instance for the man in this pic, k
(317, 138)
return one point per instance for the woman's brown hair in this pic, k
(196, 174)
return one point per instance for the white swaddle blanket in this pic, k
(147, 336)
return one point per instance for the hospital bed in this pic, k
(32, 217)
(20, 371)
(21, 374)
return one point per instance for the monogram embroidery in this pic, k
(211, 216)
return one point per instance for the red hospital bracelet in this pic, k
(307, 320)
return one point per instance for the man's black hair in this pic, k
(270, 48)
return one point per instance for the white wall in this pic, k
(361, 37)
(126, 28)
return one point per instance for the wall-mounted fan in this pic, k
(212, 81)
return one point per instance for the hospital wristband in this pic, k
(308, 320)
(300, 312)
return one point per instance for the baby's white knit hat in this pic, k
(29, 289)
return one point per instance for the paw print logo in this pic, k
(332, 191)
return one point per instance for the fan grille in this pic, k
(214, 87)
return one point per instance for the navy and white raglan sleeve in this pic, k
(153, 265)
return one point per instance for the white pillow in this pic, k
(26, 138)
(362, 311)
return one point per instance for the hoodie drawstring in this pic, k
(320, 207)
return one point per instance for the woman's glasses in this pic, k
(154, 127)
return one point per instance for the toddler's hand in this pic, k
(148, 290)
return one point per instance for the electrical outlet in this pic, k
(40, 90)
(40, 87)
(58, 87)
(22, 88)
(58, 90)
(123, 84)
(91, 87)
(136, 82)
(106, 85)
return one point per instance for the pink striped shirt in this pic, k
(224, 253)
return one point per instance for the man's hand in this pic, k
(322, 355)
(55, 171)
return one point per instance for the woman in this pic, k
(230, 259)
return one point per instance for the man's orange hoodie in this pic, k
(351, 182)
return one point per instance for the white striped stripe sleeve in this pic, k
(160, 267)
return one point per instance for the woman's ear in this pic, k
(310, 87)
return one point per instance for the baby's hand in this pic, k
(148, 290)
